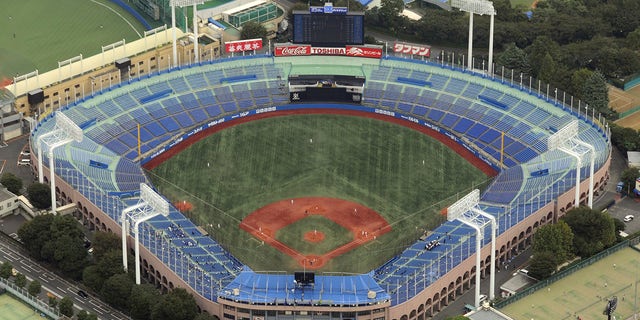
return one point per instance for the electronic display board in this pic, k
(328, 29)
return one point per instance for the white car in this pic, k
(628, 218)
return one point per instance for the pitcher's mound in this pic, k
(314, 236)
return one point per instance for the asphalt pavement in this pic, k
(12, 252)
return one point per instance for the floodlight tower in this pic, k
(466, 210)
(65, 131)
(566, 140)
(150, 205)
(477, 7)
(184, 3)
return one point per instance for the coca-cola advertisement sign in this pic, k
(412, 49)
(292, 51)
(243, 45)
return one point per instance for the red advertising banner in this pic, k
(306, 50)
(243, 45)
(366, 52)
(412, 49)
(299, 50)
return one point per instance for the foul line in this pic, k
(119, 15)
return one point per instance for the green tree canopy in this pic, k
(514, 58)
(39, 194)
(596, 93)
(556, 239)
(117, 290)
(66, 306)
(93, 278)
(21, 280)
(143, 298)
(629, 176)
(5, 270)
(104, 242)
(11, 182)
(593, 230)
(177, 305)
(542, 265)
(34, 288)
(35, 234)
(70, 255)
(253, 30)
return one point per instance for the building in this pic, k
(8, 202)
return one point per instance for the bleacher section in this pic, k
(493, 118)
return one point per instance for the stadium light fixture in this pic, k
(150, 205)
(480, 7)
(65, 131)
(566, 140)
(467, 212)
(184, 3)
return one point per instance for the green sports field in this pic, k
(13, 309)
(404, 175)
(585, 292)
(36, 34)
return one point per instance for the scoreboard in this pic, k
(328, 29)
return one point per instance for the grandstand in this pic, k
(504, 125)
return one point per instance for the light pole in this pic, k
(480, 7)
(184, 3)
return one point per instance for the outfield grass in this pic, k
(402, 174)
(585, 292)
(36, 34)
(13, 309)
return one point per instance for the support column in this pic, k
(470, 49)
(490, 67)
(173, 30)
(195, 34)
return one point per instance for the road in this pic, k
(10, 251)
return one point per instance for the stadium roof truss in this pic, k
(566, 140)
(467, 211)
(150, 205)
(65, 131)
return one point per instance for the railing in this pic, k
(566, 272)
(23, 295)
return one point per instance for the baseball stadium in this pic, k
(304, 185)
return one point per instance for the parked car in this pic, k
(83, 294)
(628, 218)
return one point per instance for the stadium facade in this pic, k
(467, 110)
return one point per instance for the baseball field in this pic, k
(36, 34)
(584, 294)
(330, 192)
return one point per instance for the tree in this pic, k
(629, 176)
(547, 69)
(143, 298)
(596, 93)
(53, 301)
(40, 195)
(117, 290)
(514, 58)
(92, 278)
(5, 270)
(11, 182)
(253, 30)
(204, 316)
(66, 306)
(34, 288)
(35, 234)
(21, 280)
(390, 10)
(556, 239)
(542, 265)
(104, 242)
(593, 230)
(176, 305)
(70, 255)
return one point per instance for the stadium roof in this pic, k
(349, 290)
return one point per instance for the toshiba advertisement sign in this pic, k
(306, 50)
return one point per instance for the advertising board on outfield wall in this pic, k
(243, 45)
(308, 50)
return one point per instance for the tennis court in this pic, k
(13, 309)
(585, 293)
(37, 34)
